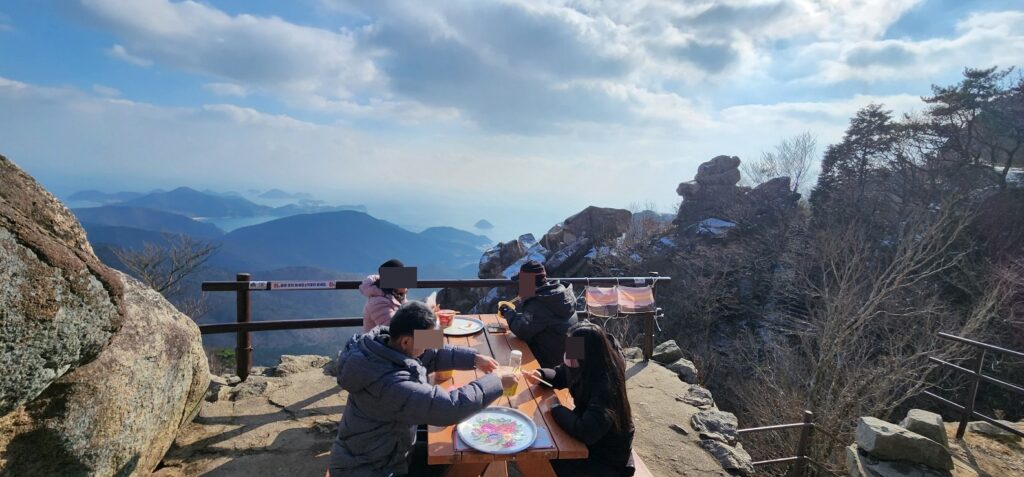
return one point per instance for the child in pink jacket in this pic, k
(381, 303)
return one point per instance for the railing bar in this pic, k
(957, 407)
(451, 283)
(775, 461)
(987, 379)
(771, 428)
(981, 345)
(278, 325)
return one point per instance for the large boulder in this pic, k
(667, 352)
(58, 304)
(891, 442)
(861, 464)
(118, 414)
(719, 171)
(602, 225)
(927, 424)
(733, 458)
(685, 369)
(716, 425)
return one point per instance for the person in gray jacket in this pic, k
(385, 374)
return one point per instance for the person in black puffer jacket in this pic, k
(544, 318)
(602, 418)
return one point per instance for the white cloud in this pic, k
(981, 40)
(5, 23)
(508, 66)
(118, 51)
(246, 49)
(227, 89)
(106, 90)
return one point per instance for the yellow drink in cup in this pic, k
(515, 361)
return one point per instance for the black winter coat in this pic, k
(543, 320)
(590, 422)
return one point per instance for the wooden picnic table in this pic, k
(528, 398)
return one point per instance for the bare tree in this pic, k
(874, 311)
(164, 267)
(793, 158)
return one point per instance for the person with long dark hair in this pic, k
(602, 418)
(381, 303)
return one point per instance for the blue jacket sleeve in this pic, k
(448, 357)
(435, 406)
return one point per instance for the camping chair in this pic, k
(623, 301)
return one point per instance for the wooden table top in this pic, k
(440, 440)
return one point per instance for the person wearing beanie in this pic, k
(381, 303)
(543, 319)
(385, 373)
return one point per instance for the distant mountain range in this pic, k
(483, 224)
(454, 235)
(280, 194)
(209, 204)
(103, 197)
(349, 241)
(146, 219)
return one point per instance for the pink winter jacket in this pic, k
(379, 307)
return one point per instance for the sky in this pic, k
(446, 112)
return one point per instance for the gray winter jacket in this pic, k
(389, 395)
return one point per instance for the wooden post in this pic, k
(243, 343)
(800, 468)
(971, 396)
(648, 336)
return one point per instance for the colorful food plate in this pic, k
(498, 430)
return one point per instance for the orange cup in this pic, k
(445, 317)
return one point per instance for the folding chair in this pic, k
(622, 301)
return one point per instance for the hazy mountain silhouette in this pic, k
(146, 219)
(192, 203)
(345, 240)
(454, 235)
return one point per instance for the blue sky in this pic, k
(446, 112)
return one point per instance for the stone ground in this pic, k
(284, 426)
(989, 456)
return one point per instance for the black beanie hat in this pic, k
(532, 266)
(393, 263)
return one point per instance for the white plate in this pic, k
(498, 430)
(464, 326)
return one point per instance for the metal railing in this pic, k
(967, 409)
(801, 459)
(244, 286)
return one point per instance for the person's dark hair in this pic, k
(602, 371)
(393, 263)
(410, 317)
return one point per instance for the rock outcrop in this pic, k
(713, 203)
(568, 249)
(101, 370)
(927, 424)
(58, 304)
(891, 442)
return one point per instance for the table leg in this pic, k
(497, 469)
(537, 466)
(466, 470)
